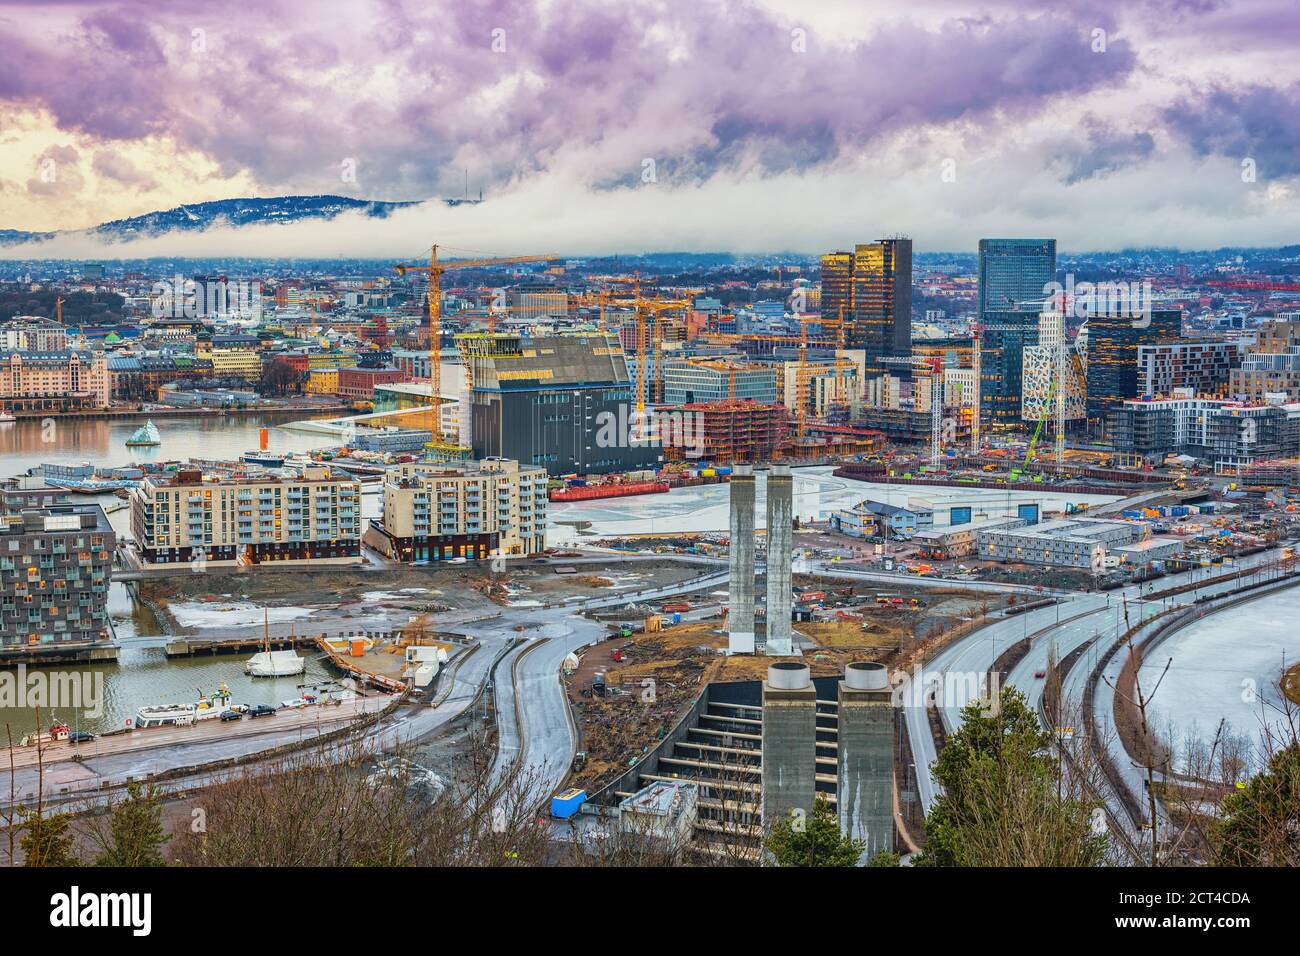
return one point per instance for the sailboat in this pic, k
(146, 436)
(269, 663)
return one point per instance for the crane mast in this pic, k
(435, 269)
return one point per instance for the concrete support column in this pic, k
(789, 741)
(780, 557)
(740, 588)
(865, 791)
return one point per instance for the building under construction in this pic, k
(736, 431)
(559, 401)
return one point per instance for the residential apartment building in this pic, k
(1229, 435)
(53, 381)
(232, 356)
(189, 517)
(1271, 365)
(55, 568)
(1204, 367)
(437, 511)
(32, 333)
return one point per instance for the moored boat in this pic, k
(182, 715)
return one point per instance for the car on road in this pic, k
(1039, 675)
(231, 715)
(261, 710)
(80, 737)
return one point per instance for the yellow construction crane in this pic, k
(435, 269)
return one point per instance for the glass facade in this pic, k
(1113, 356)
(1013, 271)
(1006, 333)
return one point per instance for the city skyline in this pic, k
(738, 128)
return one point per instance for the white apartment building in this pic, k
(439, 511)
(188, 518)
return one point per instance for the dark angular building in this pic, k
(1012, 271)
(1005, 335)
(1113, 354)
(550, 400)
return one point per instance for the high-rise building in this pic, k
(1113, 359)
(871, 288)
(1012, 271)
(837, 286)
(1005, 336)
(1040, 377)
(882, 301)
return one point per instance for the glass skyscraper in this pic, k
(1013, 271)
(873, 286)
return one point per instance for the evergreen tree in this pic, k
(136, 829)
(1260, 825)
(1002, 803)
(46, 840)
(814, 841)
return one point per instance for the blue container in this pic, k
(567, 803)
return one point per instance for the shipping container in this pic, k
(567, 803)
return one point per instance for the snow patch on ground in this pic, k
(201, 614)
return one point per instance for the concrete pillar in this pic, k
(740, 589)
(865, 792)
(780, 557)
(789, 741)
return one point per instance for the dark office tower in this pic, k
(1113, 367)
(882, 301)
(837, 286)
(1014, 271)
(1006, 333)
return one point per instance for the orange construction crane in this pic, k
(435, 270)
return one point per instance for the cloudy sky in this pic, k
(592, 126)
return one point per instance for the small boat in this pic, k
(6, 418)
(146, 436)
(269, 663)
(275, 664)
(182, 715)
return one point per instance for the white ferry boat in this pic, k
(182, 715)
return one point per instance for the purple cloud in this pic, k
(412, 91)
(1259, 122)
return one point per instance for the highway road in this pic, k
(960, 670)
